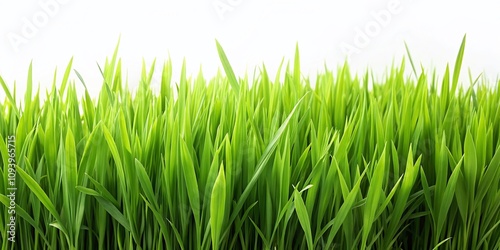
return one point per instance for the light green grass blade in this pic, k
(470, 165)
(9, 96)
(373, 198)
(65, 79)
(447, 199)
(42, 196)
(217, 208)
(458, 65)
(231, 77)
(29, 88)
(303, 216)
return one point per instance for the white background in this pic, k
(252, 32)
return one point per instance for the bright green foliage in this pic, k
(231, 163)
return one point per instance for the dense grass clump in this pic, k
(351, 163)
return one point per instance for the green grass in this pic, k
(354, 162)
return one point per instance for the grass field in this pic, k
(347, 162)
